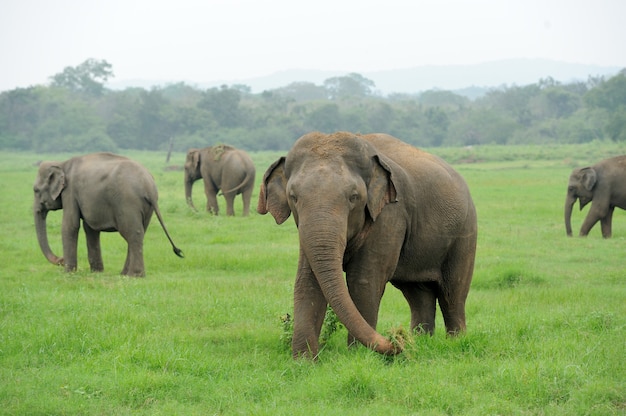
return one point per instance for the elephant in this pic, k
(107, 192)
(381, 211)
(603, 183)
(222, 168)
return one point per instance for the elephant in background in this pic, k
(222, 168)
(381, 211)
(108, 193)
(603, 183)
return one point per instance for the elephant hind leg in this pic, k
(457, 277)
(453, 315)
(422, 300)
(134, 264)
(230, 204)
(246, 196)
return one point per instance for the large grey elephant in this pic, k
(108, 193)
(603, 183)
(222, 168)
(382, 211)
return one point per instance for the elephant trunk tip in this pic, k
(57, 261)
(393, 344)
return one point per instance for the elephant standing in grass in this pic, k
(108, 193)
(381, 211)
(603, 183)
(222, 168)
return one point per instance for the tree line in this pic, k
(77, 113)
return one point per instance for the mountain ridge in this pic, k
(413, 80)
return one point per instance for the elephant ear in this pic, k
(589, 178)
(381, 190)
(56, 181)
(195, 158)
(273, 193)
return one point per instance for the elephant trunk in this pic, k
(188, 186)
(42, 237)
(324, 249)
(569, 203)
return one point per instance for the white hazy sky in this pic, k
(211, 40)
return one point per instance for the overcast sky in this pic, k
(211, 40)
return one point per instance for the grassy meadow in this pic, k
(546, 315)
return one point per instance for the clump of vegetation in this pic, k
(287, 330)
(329, 327)
(399, 337)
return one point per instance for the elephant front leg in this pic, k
(308, 314)
(211, 199)
(597, 212)
(606, 223)
(94, 251)
(366, 293)
(69, 231)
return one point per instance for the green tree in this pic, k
(610, 96)
(303, 91)
(351, 85)
(88, 77)
(19, 116)
(224, 104)
(324, 118)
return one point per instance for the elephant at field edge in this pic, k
(603, 183)
(108, 193)
(382, 211)
(222, 168)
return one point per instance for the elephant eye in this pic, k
(293, 198)
(354, 197)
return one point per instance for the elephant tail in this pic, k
(177, 251)
(243, 183)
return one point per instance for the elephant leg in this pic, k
(591, 219)
(134, 265)
(422, 300)
(230, 204)
(606, 223)
(308, 312)
(246, 196)
(94, 251)
(457, 275)
(69, 232)
(211, 199)
(366, 293)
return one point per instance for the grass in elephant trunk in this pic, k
(400, 338)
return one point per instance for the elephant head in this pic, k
(581, 185)
(192, 173)
(48, 187)
(335, 186)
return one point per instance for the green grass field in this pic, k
(546, 315)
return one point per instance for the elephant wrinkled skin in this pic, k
(382, 211)
(108, 193)
(603, 183)
(222, 168)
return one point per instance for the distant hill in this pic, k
(469, 80)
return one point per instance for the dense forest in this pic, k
(76, 112)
